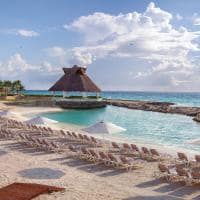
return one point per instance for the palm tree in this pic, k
(7, 85)
(17, 86)
(1, 84)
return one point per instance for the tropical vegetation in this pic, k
(11, 87)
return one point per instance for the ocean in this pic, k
(180, 98)
(164, 130)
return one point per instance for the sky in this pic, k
(125, 44)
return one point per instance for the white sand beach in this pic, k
(82, 180)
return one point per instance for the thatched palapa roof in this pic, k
(75, 79)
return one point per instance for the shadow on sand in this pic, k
(95, 168)
(41, 173)
(164, 197)
(173, 190)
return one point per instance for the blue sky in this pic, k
(126, 45)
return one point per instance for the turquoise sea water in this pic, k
(142, 126)
(181, 98)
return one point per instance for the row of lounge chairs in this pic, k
(106, 158)
(115, 157)
(178, 173)
(100, 157)
(20, 125)
(85, 139)
(183, 158)
(82, 138)
(42, 143)
(185, 169)
(143, 152)
(33, 141)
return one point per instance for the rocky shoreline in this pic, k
(163, 107)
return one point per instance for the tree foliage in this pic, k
(11, 87)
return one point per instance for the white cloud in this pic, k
(34, 76)
(56, 51)
(196, 21)
(132, 34)
(179, 17)
(167, 55)
(27, 33)
(148, 36)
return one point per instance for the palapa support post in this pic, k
(83, 94)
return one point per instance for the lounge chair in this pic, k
(182, 158)
(197, 158)
(81, 138)
(128, 164)
(69, 135)
(115, 146)
(50, 130)
(114, 160)
(75, 136)
(85, 154)
(95, 142)
(105, 159)
(47, 145)
(163, 172)
(195, 178)
(72, 148)
(182, 175)
(195, 163)
(126, 147)
(145, 154)
(95, 155)
(135, 148)
(63, 134)
(156, 156)
(87, 139)
(145, 150)
(56, 147)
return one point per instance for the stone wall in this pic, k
(81, 104)
(163, 107)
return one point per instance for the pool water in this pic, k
(163, 129)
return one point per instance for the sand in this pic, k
(83, 180)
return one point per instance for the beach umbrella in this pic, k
(104, 127)
(40, 121)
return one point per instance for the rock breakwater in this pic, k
(163, 107)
